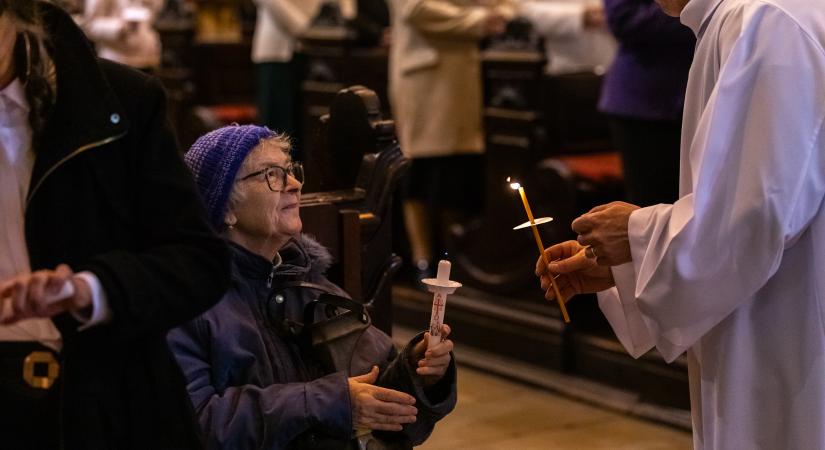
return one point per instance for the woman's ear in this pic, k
(230, 220)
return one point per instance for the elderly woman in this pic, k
(254, 377)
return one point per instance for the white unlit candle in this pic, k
(444, 267)
(441, 287)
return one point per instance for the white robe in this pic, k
(734, 272)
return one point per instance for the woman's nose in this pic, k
(292, 184)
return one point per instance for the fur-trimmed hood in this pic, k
(318, 257)
(302, 257)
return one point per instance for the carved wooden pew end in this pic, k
(363, 162)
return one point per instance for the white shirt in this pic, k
(570, 47)
(734, 272)
(16, 164)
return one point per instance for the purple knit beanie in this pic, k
(215, 159)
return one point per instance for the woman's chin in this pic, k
(294, 226)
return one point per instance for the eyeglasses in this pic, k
(276, 176)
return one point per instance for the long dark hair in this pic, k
(32, 62)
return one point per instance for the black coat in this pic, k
(110, 194)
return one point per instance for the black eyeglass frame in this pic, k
(290, 169)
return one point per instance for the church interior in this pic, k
(527, 378)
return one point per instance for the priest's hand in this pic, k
(432, 363)
(32, 295)
(577, 274)
(604, 230)
(378, 408)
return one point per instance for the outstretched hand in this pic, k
(378, 408)
(32, 295)
(574, 272)
(604, 229)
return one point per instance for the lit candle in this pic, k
(441, 286)
(559, 299)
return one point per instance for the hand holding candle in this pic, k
(39, 294)
(441, 287)
(559, 298)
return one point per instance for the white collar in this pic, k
(697, 12)
(16, 94)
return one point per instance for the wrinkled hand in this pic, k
(25, 296)
(378, 408)
(594, 16)
(577, 274)
(435, 360)
(604, 229)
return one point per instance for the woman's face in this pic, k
(8, 36)
(265, 220)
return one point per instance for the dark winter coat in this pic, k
(254, 386)
(110, 194)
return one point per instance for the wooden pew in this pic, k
(332, 57)
(210, 83)
(355, 219)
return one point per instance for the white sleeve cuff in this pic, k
(101, 313)
(620, 308)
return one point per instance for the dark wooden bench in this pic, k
(355, 219)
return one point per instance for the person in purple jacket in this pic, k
(644, 94)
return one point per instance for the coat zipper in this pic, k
(34, 190)
(66, 158)
(271, 277)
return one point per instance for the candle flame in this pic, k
(514, 185)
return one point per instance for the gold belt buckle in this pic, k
(43, 360)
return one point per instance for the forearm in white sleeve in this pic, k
(101, 312)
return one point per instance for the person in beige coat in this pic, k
(436, 97)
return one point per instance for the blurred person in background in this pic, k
(575, 34)
(644, 94)
(123, 31)
(278, 25)
(436, 96)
